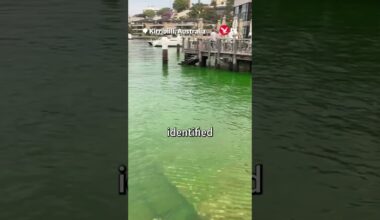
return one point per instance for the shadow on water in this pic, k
(159, 200)
(165, 70)
(316, 89)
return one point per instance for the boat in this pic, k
(129, 36)
(172, 42)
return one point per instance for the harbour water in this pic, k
(316, 109)
(63, 92)
(187, 178)
(63, 109)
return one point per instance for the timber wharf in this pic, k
(234, 54)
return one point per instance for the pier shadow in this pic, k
(148, 197)
(165, 70)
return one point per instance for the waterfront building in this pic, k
(136, 24)
(182, 14)
(243, 10)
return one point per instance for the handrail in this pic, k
(237, 46)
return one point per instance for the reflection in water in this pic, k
(165, 70)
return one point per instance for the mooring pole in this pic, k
(219, 48)
(235, 64)
(165, 57)
(183, 44)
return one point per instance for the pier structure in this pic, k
(234, 54)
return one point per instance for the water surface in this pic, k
(63, 120)
(187, 178)
(316, 109)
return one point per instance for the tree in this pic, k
(213, 4)
(140, 15)
(196, 10)
(149, 13)
(200, 11)
(180, 5)
(209, 15)
(163, 11)
(229, 7)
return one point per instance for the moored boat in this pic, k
(171, 41)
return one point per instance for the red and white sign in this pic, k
(224, 30)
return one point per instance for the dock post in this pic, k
(235, 66)
(178, 49)
(165, 57)
(183, 44)
(208, 54)
(199, 52)
(217, 58)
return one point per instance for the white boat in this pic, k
(172, 42)
(129, 36)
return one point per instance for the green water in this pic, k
(63, 119)
(187, 178)
(316, 109)
(63, 122)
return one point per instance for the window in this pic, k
(246, 32)
(237, 11)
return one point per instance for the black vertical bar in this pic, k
(123, 180)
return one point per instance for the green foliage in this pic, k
(180, 5)
(230, 3)
(200, 11)
(140, 15)
(163, 11)
(149, 13)
(229, 7)
(196, 10)
(209, 15)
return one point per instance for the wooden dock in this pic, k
(232, 53)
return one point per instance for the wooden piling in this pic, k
(199, 53)
(165, 57)
(183, 44)
(234, 60)
(208, 54)
(203, 61)
(217, 58)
